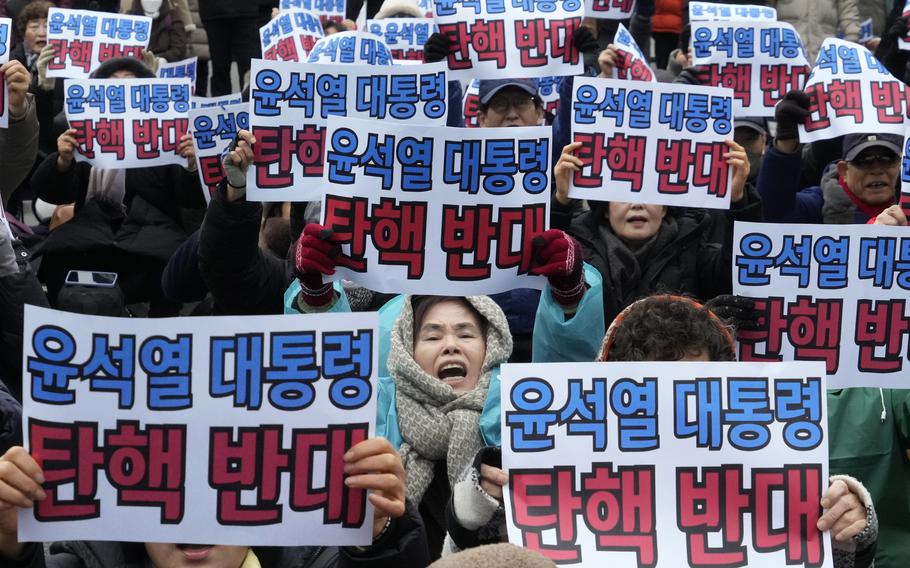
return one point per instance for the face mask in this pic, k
(151, 7)
(755, 161)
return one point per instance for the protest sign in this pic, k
(128, 123)
(351, 47)
(827, 295)
(421, 209)
(289, 105)
(204, 429)
(84, 39)
(4, 224)
(179, 70)
(6, 33)
(609, 9)
(851, 91)
(427, 7)
(213, 131)
(403, 36)
(651, 143)
(865, 31)
(905, 175)
(630, 61)
(471, 104)
(547, 89)
(325, 10)
(708, 11)
(697, 464)
(211, 102)
(495, 39)
(291, 36)
(760, 60)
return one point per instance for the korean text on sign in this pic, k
(291, 36)
(840, 297)
(404, 36)
(128, 123)
(213, 131)
(84, 39)
(651, 143)
(325, 9)
(650, 465)
(492, 39)
(180, 69)
(709, 11)
(290, 103)
(630, 61)
(198, 429)
(420, 209)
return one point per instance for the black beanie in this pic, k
(111, 66)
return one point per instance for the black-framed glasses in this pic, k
(521, 103)
(870, 161)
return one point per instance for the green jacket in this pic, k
(869, 435)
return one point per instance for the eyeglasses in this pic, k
(501, 105)
(870, 161)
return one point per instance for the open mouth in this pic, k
(637, 220)
(452, 372)
(195, 551)
(876, 185)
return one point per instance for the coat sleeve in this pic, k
(242, 279)
(778, 187)
(558, 338)
(405, 544)
(58, 187)
(31, 557)
(848, 18)
(18, 149)
(715, 260)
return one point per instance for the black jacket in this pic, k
(404, 545)
(690, 264)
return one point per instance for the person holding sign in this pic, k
(864, 183)
(19, 142)
(398, 535)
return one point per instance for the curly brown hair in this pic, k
(36, 10)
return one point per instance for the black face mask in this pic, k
(755, 161)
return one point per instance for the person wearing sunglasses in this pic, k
(854, 189)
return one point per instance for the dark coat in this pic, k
(225, 9)
(168, 38)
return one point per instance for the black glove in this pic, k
(584, 40)
(436, 48)
(737, 311)
(695, 75)
(897, 30)
(790, 112)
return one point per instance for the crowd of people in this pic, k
(625, 281)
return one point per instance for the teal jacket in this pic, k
(555, 339)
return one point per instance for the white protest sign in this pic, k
(289, 105)
(325, 9)
(403, 36)
(666, 464)
(760, 60)
(200, 430)
(419, 209)
(351, 47)
(6, 33)
(427, 7)
(213, 131)
(905, 174)
(291, 36)
(211, 102)
(610, 9)
(851, 91)
(84, 39)
(828, 295)
(651, 143)
(630, 61)
(128, 123)
(865, 31)
(494, 39)
(708, 11)
(185, 68)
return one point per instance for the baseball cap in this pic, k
(856, 143)
(488, 89)
(759, 124)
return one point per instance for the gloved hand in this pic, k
(151, 60)
(436, 48)
(315, 256)
(897, 30)
(584, 40)
(236, 160)
(558, 257)
(45, 57)
(737, 311)
(790, 112)
(694, 75)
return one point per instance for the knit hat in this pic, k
(501, 554)
(136, 66)
(399, 9)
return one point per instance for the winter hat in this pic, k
(399, 9)
(114, 64)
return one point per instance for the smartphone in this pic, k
(91, 278)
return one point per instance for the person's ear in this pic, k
(663, 212)
(842, 168)
(482, 119)
(540, 115)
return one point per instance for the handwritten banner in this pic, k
(651, 143)
(760, 60)
(709, 11)
(851, 91)
(325, 9)
(213, 131)
(291, 36)
(6, 32)
(289, 105)
(493, 39)
(633, 465)
(180, 70)
(423, 208)
(201, 430)
(827, 296)
(84, 39)
(404, 36)
(610, 9)
(631, 62)
(128, 123)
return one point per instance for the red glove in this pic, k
(558, 257)
(315, 256)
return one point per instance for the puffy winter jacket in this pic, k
(816, 20)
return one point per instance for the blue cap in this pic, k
(488, 89)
